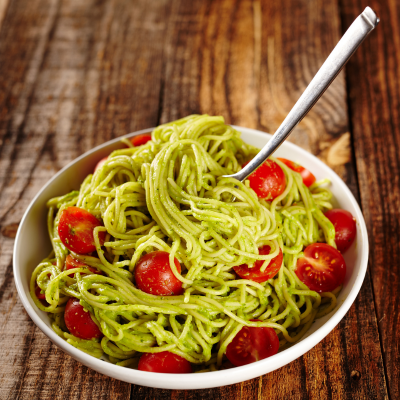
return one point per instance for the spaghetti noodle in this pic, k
(169, 194)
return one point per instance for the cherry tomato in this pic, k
(71, 262)
(100, 164)
(164, 362)
(140, 139)
(308, 177)
(345, 228)
(254, 274)
(76, 230)
(252, 344)
(322, 268)
(39, 295)
(153, 275)
(268, 181)
(79, 322)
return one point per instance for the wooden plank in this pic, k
(72, 75)
(374, 94)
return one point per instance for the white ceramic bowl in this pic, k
(32, 245)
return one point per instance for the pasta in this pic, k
(170, 194)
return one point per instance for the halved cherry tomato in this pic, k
(322, 268)
(345, 228)
(164, 362)
(140, 139)
(71, 262)
(100, 164)
(39, 295)
(308, 177)
(79, 322)
(254, 274)
(76, 230)
(252, 344)
(268, 181)
(153, 275)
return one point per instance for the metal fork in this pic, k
(348, 44)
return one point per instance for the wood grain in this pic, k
(74, 74)
(374, 94)
(3, 9)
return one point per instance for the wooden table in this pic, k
(76, 73)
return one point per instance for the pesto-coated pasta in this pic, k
(169, 194)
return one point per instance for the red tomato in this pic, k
(100, 164)
(153, 275)
(322, 268)
(164, 362)
(308, 177)
(71, 262)
(76, 230)
(79, 322)
(345, 228)
(268, 181)
(39, 295)
(254, 274)
(140, 139)
(252, 344)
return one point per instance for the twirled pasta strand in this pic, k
(169, 195)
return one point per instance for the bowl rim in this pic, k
(207, 379)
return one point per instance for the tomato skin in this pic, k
(75, 229)
(252, 344)
(345, 228)
(71, 262)
(40, 296)
(308, 177)
(322, 268)
(164, 362)
(79, 321)
(153, 275)
(268, 181)
(254, 274)
(139, 140)
(100, 164)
